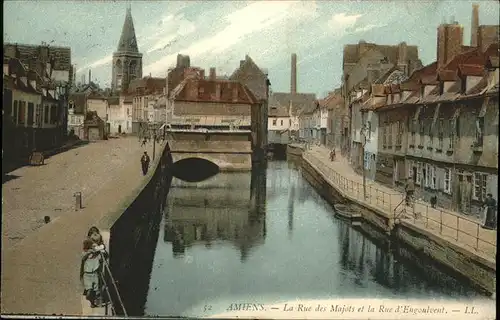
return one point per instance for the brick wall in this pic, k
(487, 35)
(449, 42)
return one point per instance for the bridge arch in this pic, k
(226, 155)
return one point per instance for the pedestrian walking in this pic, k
(143, 144)
(332, 155)
(89, 272)
(489, 206)
(145, 163)
(409, 190)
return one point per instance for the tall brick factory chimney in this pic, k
(474, 25)
(293, 80)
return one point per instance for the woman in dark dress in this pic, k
(491, 213)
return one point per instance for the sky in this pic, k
(220, 33)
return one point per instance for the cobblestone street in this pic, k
(456, 228)
(48, 190)
(40, 267)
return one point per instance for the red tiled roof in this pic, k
(204, 90)
(429, 79)
(447, 75)
(146, 85)
(429, 69)
(471, 70)
(472, 57)
(371, 105)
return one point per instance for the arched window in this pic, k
(132, 69)
(118, 65)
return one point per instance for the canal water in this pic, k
(268, 237)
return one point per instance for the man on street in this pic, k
(145, 163)
(409, 190)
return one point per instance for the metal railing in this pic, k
(454, 226)
(374, 197)
(450, 225)
(106, 276)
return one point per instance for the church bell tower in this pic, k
(127, 60)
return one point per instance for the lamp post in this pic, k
(166, 102)
(363, 143)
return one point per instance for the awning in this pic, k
(416, 116)
(482, 112)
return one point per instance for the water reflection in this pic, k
(229, 207)
(369, 262)
(242, 237)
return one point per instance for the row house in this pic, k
(119, 120)
(256, 80)
(365, 62)
(308, 122)
(143, 93)
(226, 108)
(288, 106)
(441, 128)
(160, 110)
(53, 65)
(370, 122)
(76, 113)
(279, 123)
(211, 104)
(34, 108)
(323, 123)
(334, 119)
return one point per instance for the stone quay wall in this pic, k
(132, 234)
(466, 262)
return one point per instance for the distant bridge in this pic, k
(230, 150)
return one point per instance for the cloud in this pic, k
(368, 27)
(97, 63)
(157, 33)
(340, 22)
(240, 24)
(165, 37)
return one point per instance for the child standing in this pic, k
(89, 271)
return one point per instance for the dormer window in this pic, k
(463, 84)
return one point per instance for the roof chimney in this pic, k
(241, 63)
(474, 25)
(90, 75)
(449, 43)
(213, 75)
(293, 80)
(202, 74)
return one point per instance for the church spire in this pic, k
(128, 41)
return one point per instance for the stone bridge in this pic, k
(227, 155)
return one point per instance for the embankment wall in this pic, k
(133, 232)
(480, 271)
